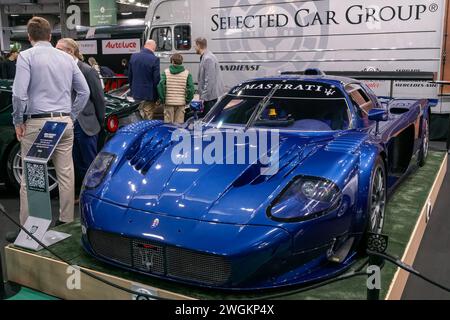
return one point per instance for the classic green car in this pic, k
(119, 112)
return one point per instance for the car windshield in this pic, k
(302, 106)
(120, 91)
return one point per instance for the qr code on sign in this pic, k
(36, 176)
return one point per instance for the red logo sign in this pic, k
(121, 45)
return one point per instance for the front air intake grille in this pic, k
(111, 246)
(153, 258)
(199, 267)
(148, 257)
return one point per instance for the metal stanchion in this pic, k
(375, 243)
(6, 289)
(374, 293)
(2, 282)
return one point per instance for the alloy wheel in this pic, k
(17, 171)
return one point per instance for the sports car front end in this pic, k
(240, 232)
(231, 226)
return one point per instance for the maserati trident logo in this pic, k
(155, 223)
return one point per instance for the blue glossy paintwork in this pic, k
(222, 209)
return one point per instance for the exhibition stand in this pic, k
(407, 215)
(36, 180)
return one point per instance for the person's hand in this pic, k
(20, 131)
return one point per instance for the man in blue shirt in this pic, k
(144, 76)
(42, 91)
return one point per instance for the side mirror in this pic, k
(378, 115)
(196, 106)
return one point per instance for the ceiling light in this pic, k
(126, 13)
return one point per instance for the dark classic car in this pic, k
(119, 112)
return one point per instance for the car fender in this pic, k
(120, 145)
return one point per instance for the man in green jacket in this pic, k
(176, 90)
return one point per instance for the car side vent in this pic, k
(150, 148)
(287, 163)
(348, 143)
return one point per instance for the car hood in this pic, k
(148, 179)
(114, 104)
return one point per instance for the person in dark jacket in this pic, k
(89, 121)
(144, 76)
(9, 65)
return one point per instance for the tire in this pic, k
(423, 152)
(14, 171)
(376, 202)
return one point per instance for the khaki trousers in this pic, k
(174, 114)
(147, 109)
(63, 162)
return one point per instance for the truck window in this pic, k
(163, 38)
(182, 37)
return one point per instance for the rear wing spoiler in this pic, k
(371, 75)
(391, 76)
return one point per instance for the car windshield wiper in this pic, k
(260, 108)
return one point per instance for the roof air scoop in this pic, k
(314, 72)
(307, 72)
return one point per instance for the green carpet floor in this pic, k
(402, 212)
(28, 294)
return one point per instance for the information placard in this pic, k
(45, 143)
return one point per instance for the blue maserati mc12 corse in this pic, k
(341, 151)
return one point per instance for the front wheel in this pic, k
(377, 198)
(376, 203)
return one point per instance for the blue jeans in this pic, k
(84, 150)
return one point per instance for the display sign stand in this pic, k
(35, 173)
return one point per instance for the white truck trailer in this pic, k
(255, 38)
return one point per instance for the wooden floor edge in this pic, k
(396, 287)
(398, 283)
(162, 293)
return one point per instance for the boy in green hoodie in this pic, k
(176, 90)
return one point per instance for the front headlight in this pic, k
(98, 169)
(305, 198)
